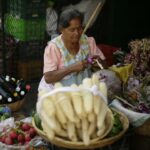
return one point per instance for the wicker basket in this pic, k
(15, 106)
(4, 146)
(93, 144)
(144, 129)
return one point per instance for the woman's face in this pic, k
(73, 32)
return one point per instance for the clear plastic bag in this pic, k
(12, 147)
(136, 119)
(93, 89)
(112, 81)
(10, 123)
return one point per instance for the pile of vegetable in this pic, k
(136, 93)
(140, 57)
(117, 125)
(137, 97)
(77, 114)
(19, 135)
(134, 99)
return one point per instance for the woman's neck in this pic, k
(72, 47)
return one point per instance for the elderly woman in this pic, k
(65, 57)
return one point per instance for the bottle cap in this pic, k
(13, 79)
(7, 78)
(18, 89)
(9, 99)
(15, 94)
(22, 93)
(28, 87)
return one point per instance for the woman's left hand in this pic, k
(92, 58)
(93, 61)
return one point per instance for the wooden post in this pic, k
(99, 6)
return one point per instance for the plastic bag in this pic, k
(112, 81)
(93, 89)
(12, 147)
(135, 118)
(10, 123)
(123, 72)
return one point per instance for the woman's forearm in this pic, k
(57, 75)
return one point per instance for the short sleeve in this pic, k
(94, 50)
(52, 58)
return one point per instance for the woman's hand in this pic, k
(79, 66)
(91, 59)
(95, 59)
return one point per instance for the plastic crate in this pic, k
(25, 30)
(27, 9)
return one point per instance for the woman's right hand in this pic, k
(79, 66)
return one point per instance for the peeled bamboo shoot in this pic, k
(71, 131)
(87, 96)
(95, 80)
(64, 101)
(103, 88)
(77, 102)
(48, 106)
(102, 115)
(49, 132)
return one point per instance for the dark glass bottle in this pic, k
(9, 88)
(11, 80)
(22, 86)
(5, 97)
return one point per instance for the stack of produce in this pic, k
(112, 81)
(19, 135)
(136, 96)
(139, 56)
(74, 113)
(12, 90)
(134, 101)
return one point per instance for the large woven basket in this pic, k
(4, 146)
(144, 129)
(93, 144)
(15, 106)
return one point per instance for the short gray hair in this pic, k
(67, 15)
